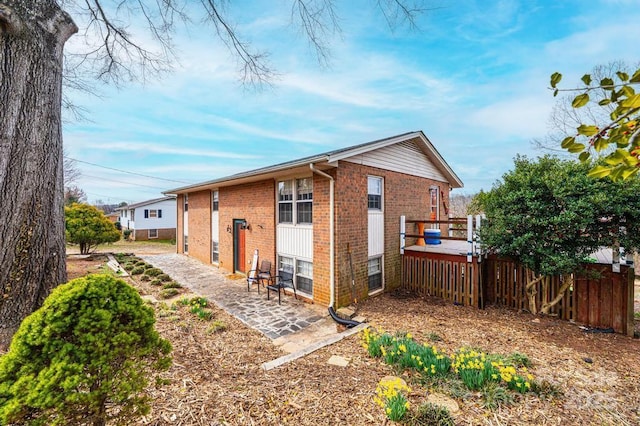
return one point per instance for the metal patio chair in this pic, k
(260, 275)
(283, 280)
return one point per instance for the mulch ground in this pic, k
(216, 376)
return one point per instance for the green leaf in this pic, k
(568, 141)
(584, 156)
(628, 91)
(586, 79)
(580, 100)
(576, 148)
(629, 171)
(604, 102)
(555, 79)
(586, 130)
(622, 75)
(631, 102)
(599, 172)
(600, 144)
(555, 93)
(636, 77)
(606, 83)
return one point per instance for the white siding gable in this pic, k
(167, 221)
(404, 157)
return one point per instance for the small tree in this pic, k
(84, 357)
(88, 227)
(617, 141)
(550, 217)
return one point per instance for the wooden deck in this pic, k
(459, 248)
(452, 247)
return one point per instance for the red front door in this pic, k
(239, 246)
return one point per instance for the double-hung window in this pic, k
(304, 276)
(304, 200)
(301, 270)
(214, 201)
(152, 214)
(285, 201)
(374, 197)
(295, 201)
(374, 272)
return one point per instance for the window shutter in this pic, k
(146, 214)
(159, 214)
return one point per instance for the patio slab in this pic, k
(292, 317)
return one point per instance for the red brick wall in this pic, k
(403, 195)
(163, 234)
(321, 239)
(200, 225)
(254, 203)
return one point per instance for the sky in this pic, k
(473, 77)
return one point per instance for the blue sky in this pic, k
(474, 78)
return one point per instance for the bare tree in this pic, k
(70, 170)
(73, 194)
(33, 35)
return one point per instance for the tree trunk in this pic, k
(568, 282)
(32, 246)
(531, 291)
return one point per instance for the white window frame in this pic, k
(215, 201)
(292, 261)
(153, 214)
(379, 179)
(152, 231)
(381, 272)
(295, 200)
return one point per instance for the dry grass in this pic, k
(216, 377)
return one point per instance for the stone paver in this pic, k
(253, 309)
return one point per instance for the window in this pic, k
(214, 201)
(152, 213)
(302, 273)
(304, 276)
(215, 252)
(433, 203)
(285, 202)
(304, 200)
(295, 200)
(153, 233)
(374, 185)
(186, 202)
(374, 269)
(186, 244)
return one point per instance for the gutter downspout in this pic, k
(332, 282)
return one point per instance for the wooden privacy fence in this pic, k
(441, 275)
(600, 298)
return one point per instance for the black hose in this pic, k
(346, 322)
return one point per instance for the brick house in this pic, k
(321, 216)
(151, 219)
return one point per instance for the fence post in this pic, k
(402, 233)
(470, 237)
(476, 239)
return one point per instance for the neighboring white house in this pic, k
(150, 219)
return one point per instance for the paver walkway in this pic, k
(251, 308)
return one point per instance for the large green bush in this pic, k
(84, 357)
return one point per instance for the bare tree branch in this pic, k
(318, 21)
